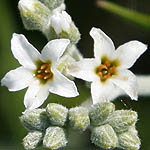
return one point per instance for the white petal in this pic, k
(126, 80)
(84, 69)
(35, 95)
(129, 52)
(55, 22)
(54, 50)
(17, 79)
(103, 45)
(23, 51)
(62, 86)
(103, 91)
(66, 16)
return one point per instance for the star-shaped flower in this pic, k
(108, 71)
(38, 71)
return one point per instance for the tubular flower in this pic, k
(38, 71)
(108, 71)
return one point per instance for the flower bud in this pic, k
(79, 119)
(57, 114)
(34, 14)
(35, 119)
(62, 26)
(129, 140)
(52, 4)
(104, 136)
(32, 140)
(71, 55)
(122, 120)
(100, 112)
(74, 52)
(55, 138)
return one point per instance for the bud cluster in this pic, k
(109, 128)
(49, 17)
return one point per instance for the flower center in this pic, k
(43, 72)
(106, 69)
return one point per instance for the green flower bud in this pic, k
(129, 140)
(100, 112)
(104, 136)
(35, 119)
(55, 138)
(62, 26)
(71, 55)
(52, 4)
(34, 14)
(79, 119)
(57, 114)
(32, 140)
(122, 120)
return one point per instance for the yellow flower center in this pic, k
(106, 69)
(43, 72)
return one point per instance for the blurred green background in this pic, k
(85, 14)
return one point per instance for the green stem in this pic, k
(131, 15)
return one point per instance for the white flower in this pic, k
(108, 71)
(38, 71)
(61, 21)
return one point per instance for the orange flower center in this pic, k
(43, 72)
(106, 69)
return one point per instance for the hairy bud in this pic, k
(78, 118)
(122, 120)
(55, 138)
(62, 26)
(52, 4)
(32, 140)
(57, 114)
(104, 136)
(129, 140)
(35, 119)
(99, 112)
(34, 14)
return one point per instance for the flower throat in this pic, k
(43, 72)
(106, 69)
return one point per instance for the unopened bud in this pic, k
(32, 140)
(52, 4)
(129, 141)
(79, 119)
(57, 114)
(71, 55)
(100, 112)
(62, 26)
(74, 52)
(104, 136)
(35, 119)
(34, 14)
(55, 138)
(122, 120)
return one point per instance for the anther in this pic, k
(47, 76)
(47, 70)
(40, 76)
(101, 67)
(44, 66)
(40, 71)
(100, 74)
(112, 69)
(107, 63)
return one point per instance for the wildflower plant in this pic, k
(53, 71)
